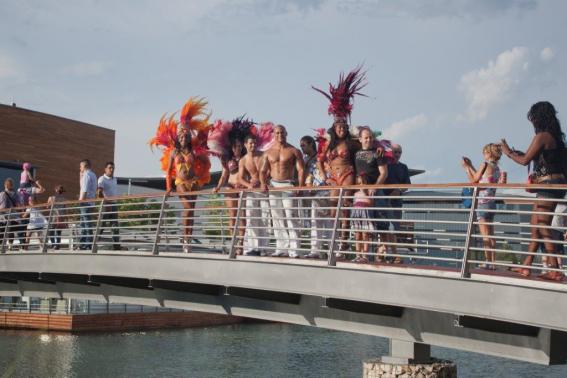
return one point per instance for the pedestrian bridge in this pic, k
(434, 293)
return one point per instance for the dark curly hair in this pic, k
(334, 139)
(544, 118)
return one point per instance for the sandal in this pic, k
(552, 276)
(522, 271)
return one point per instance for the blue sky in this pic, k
(445, 76)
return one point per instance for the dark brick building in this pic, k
(54, 145)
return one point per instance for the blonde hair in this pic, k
(494, 150)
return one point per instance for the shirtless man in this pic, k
(280, 163)
(249, 177)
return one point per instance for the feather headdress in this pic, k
(241, 127)
(322, 138)
(265, 136)
(218, 141)
(166, 139)
(194, 122)
(341, 95)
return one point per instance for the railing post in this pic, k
(94, 247)
(46, 236)
(155, 248)
(465, 270)
(332, 259)
(232, 253)
(5, 232)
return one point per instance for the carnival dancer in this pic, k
(256, 239)
(340, 149)
(281, 162)
(320, 221)
(185, 157)
(226, 140)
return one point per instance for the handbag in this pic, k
(467, 200)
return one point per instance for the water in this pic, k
(246, 350)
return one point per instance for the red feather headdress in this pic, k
(341, 95)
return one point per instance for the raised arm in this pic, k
(524, 158)
(473, 175)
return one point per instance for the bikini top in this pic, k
(232, 166)
(183, 162)
(332, 155)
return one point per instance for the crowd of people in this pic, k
(259, 160)
(29, 219)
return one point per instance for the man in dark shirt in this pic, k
(398, 173)
(8, 224)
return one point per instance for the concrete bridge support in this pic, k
(408, 359)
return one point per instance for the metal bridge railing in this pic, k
(421, 226)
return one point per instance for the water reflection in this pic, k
(245, 350)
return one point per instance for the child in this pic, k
(488, 172)
(26, 182)
(362, 222)
(36, 223)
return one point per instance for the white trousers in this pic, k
(285, 227)
(257, 223)
(321, 223)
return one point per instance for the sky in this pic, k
(445, 77)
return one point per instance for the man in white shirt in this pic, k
(108, 187)
(87, 191)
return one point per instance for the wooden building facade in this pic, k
(53, 145)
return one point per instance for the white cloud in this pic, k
(547, 54)
(85, 69)
(404, 127)
(7, 67)
(486, 87)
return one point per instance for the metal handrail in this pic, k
(440, 230)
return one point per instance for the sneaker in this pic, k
(279, 254)
(340, 256)
(253, 252)
(295, 256)
(360, 260)
(313, 255)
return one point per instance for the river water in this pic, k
(244, 350)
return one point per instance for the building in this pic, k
(53, 145)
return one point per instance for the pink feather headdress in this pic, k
(217, 140)
(322, 138)
(265, 136)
